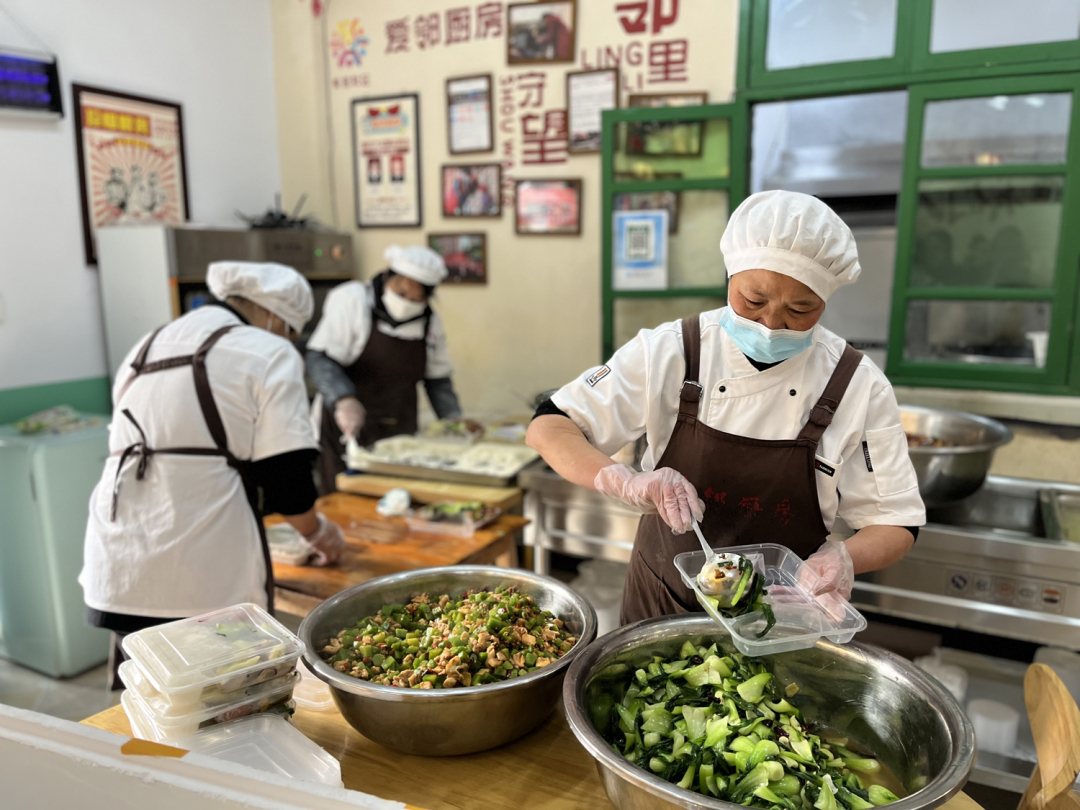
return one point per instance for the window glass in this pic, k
(635, 314)
(980, 332)
(996, 130)
(839, 145)
(963, 25)
(987, 232)
(824, 32)
(685, 150)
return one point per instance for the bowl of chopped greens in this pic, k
(677, 717)
(445, 661)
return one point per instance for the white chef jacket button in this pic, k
(723, 388)
(792, 392)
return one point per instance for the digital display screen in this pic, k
(30, 83)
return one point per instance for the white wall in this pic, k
(216, 58)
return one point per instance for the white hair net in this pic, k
(274, 287)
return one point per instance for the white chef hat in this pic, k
(418, 263)
(274, 287)
(794, 234)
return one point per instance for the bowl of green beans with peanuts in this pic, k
(676, 717)
(448, 661)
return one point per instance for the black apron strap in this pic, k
(821, 415)
(140, 359)
(690, 395)
(206, 395)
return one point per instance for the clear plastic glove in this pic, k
(664, 491)
(834, 568)
(327, 542)
(349, 415)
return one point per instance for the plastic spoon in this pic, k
(709, 553)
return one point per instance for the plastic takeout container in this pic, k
(287, 545)
(224, 650)
(176, 730)
(800, 618)
(450, 528)
(311, 693)
(212, 704)
(271, 744)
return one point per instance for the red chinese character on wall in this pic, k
(489, 20)
(427, 30)
(637, 22)
(397, 36)
(750, 505)
(457, 24)
(667, 60)
(531, 87)
(543, 142)
(783, 512)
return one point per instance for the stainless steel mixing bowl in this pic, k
(948, 474)
(881, 701)
(443, 722)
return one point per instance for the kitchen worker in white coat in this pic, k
(210, 412)
(375, 342)
(760, 423)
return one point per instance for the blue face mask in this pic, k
(762, 344)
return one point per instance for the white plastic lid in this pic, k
(268, 743)
(311, 693)
(225, 646)
(238, 703)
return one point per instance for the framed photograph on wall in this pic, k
(540, 32)
(465, 255)
(131, 161)
(470, 125)
(589, 93)
(651, 201)
(386, 161)
(665, 138)
(472, 191)
(548, 207)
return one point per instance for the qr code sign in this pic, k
(639, 241)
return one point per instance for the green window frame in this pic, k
(734, 184)
(1054, 378)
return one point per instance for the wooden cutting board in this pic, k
(504, 498)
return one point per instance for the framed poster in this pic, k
(540, 32)
(640, 250)
(589, 93)
(465, 255)
(131, 161)
(548, 207)
(666, 138)
(470, 126)
(651, 201)
(386, 161)
(472, 191)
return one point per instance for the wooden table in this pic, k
(504, 498)
(547, 769)
(378, 545)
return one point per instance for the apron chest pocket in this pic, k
(888, 456)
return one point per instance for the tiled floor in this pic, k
(69, 698)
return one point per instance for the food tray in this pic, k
(484, 463)
(449, 528)
(287, 545)
(269, 744)
(224, 650)
(211, 705)
(800, 618)
(171, 730)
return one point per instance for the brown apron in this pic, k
(755, 490)
(210, 413)
(385, 375)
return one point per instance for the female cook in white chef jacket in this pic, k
(760, 423)
(209, 410)
(375, 342)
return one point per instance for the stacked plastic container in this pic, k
(190, 674)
